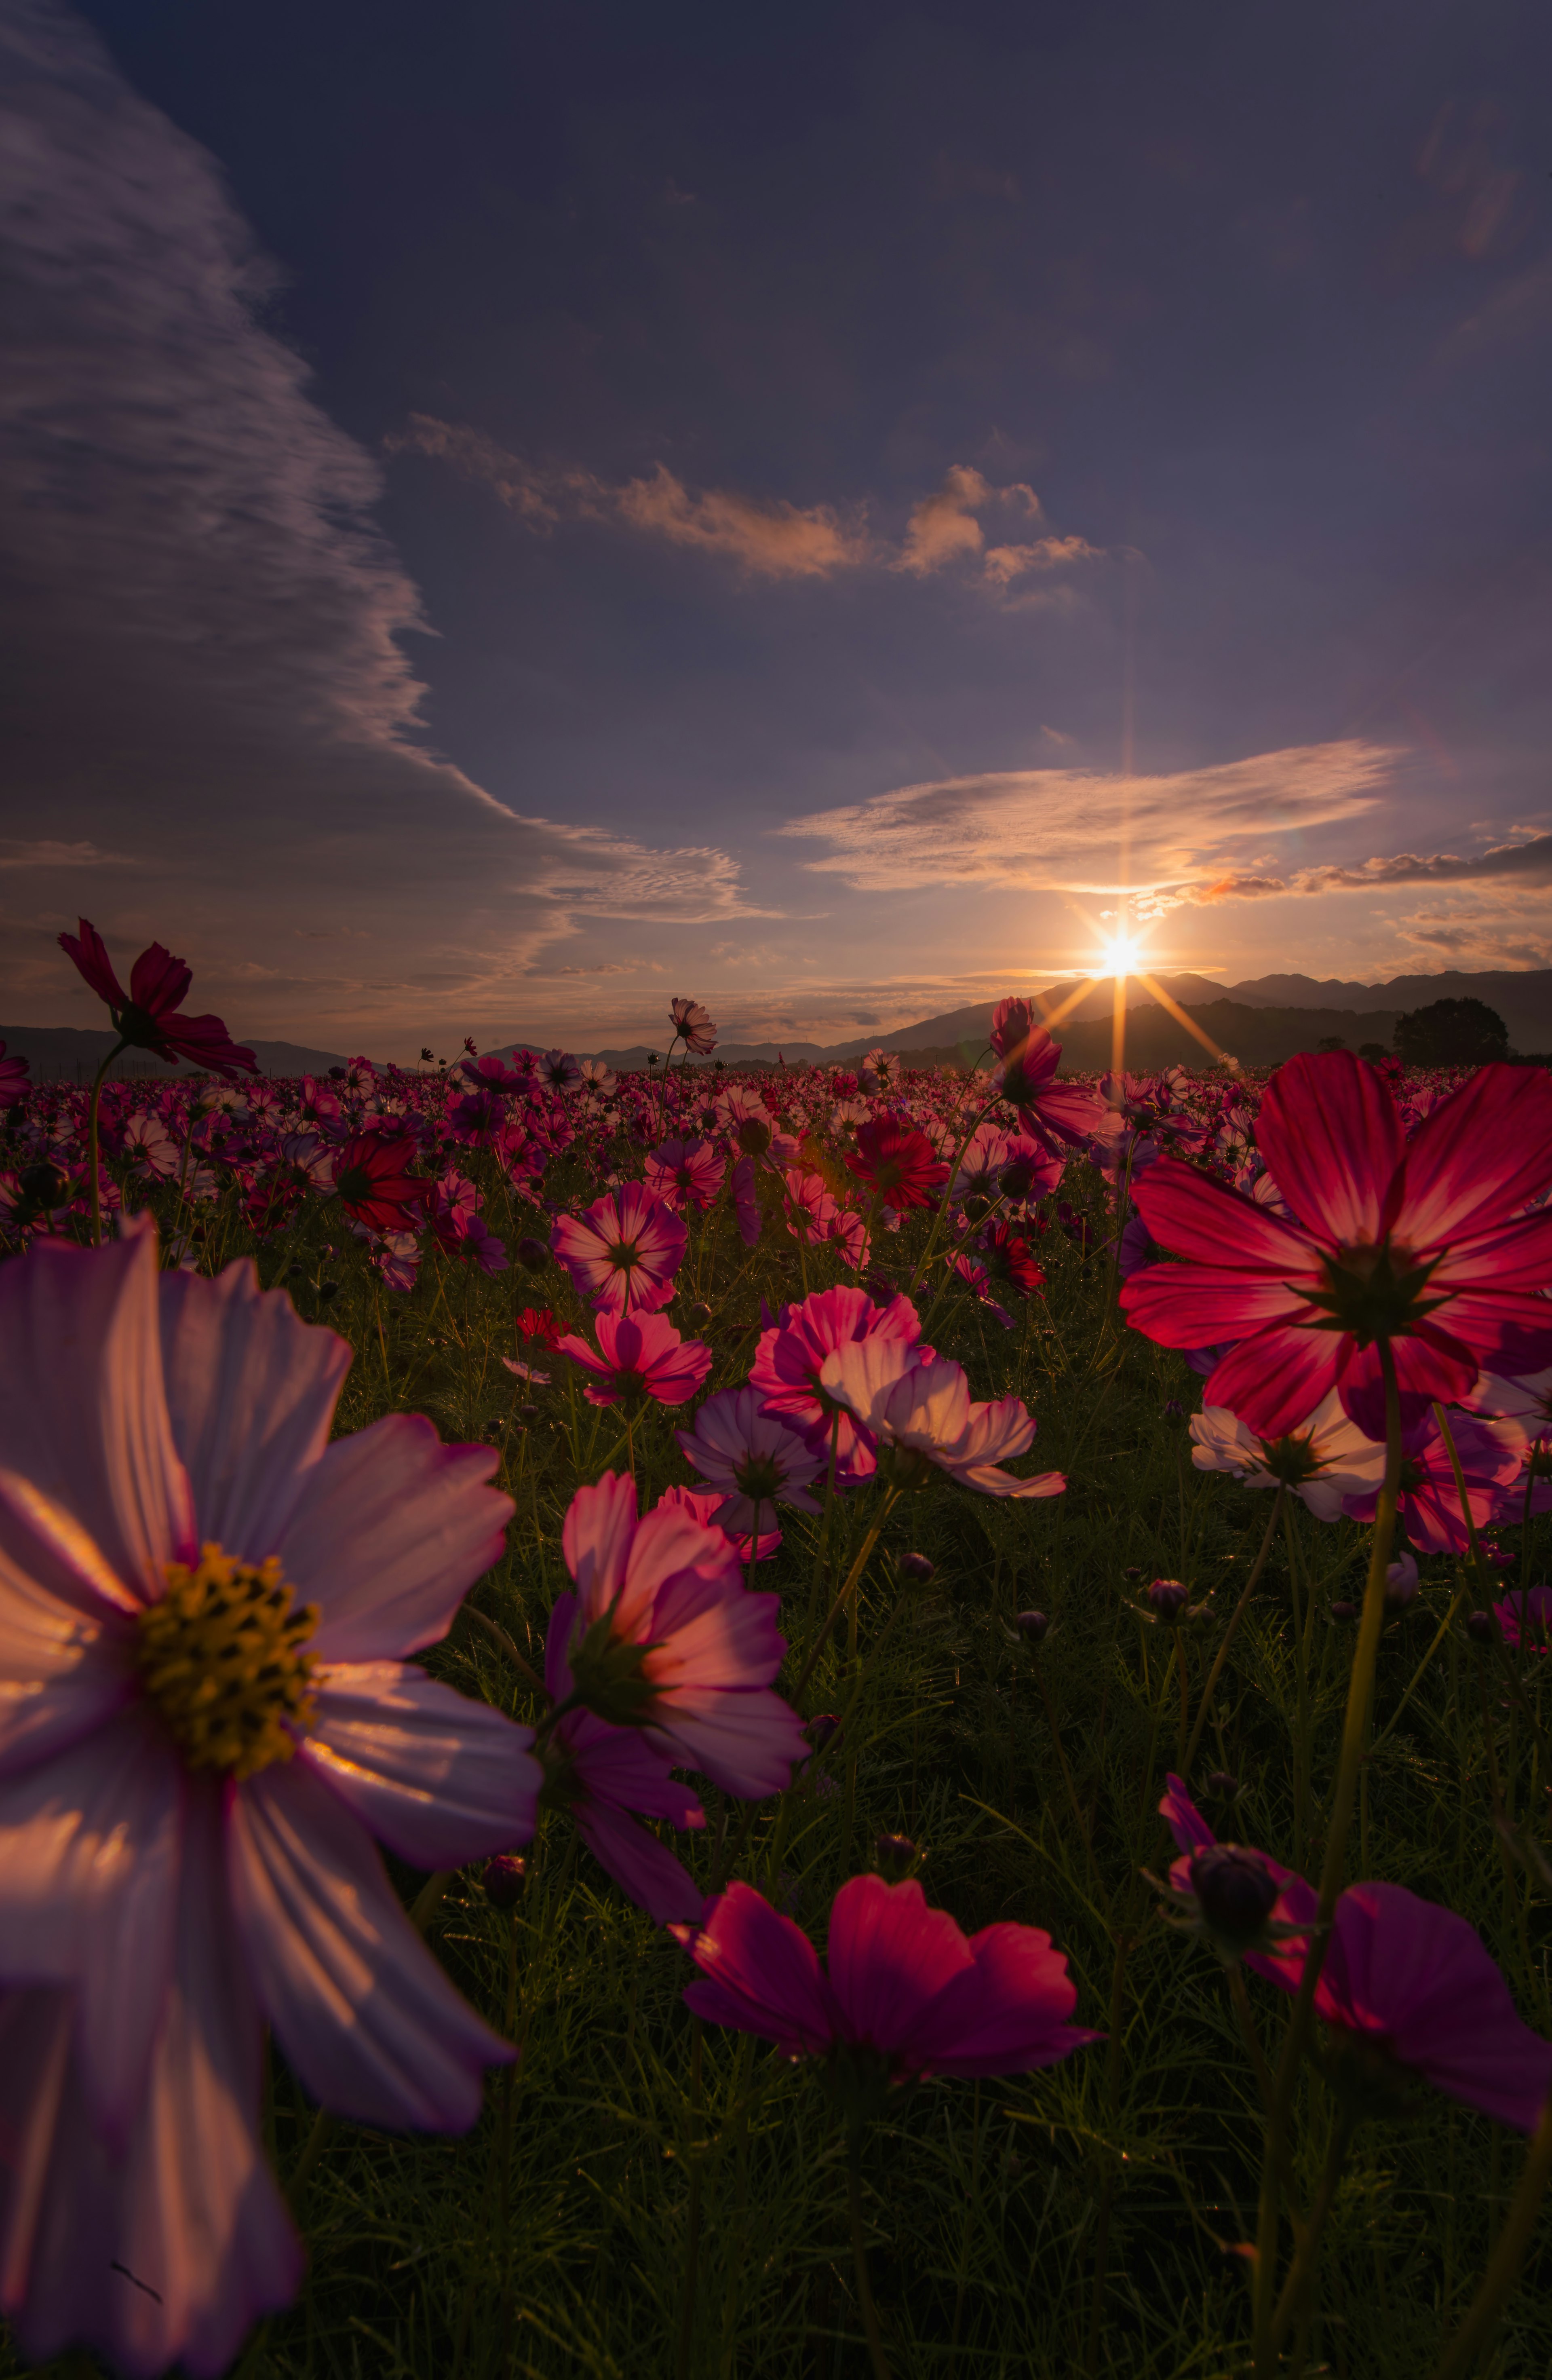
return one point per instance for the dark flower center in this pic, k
(1375, 1292)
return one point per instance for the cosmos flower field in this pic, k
(800, 1723)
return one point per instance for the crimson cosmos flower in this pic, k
(906, 1993)
(1423, 1245)
(1056, 1113)
(896, 1161)
(373, 1180)
(147, 1017)
(13, 1079)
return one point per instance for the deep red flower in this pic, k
(373, 1180)
(1006, 1256)
(1423, 1245)
(147, 1015)
(13, 1079)
(896, 1161)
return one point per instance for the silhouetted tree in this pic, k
(1451, 1032)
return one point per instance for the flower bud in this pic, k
(1481, 1627)
(1032, 1626)
(528, 1413)
(1221, 1781)
(1235, 1893)
(823, 1733)
(1169, 1599)
(42, 1185)
(531, 1254)
(897, 1857)
(1401, 1583)
(503, 1879)
(1344, 1614)
(1173, 1410)
(915, 1566)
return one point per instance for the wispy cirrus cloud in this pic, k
(770, 540)
(766, 540)
(206, 626)
(1078, 829)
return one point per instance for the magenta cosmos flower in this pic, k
(1425, 1246)
(661, 1634)
(1056, 1114)
(1406, 1988)
(623, 1252)
(925, 1407)
(906, 1993)
(790, 1358)
(707, 1506)
(896, 1161)
(147, 1015)
(608, 1779)
(14, 1086)
(208, 1610)
(752, 1457)
(373, 1181)
(639, 1356)
(1429, 1501)
(685, 1174)
(693, 1025)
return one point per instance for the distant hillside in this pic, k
(1256, 1037)
(60, 1053)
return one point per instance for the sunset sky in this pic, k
(513, 512)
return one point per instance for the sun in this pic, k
(1120, 954)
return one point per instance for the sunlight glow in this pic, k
(1120, 955)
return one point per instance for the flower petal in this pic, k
(595, 1540)
(641, 1867)
(763, 1976)
(1329, 1130)
(167, 2250)
(890, 1954)
(83, 1415)
(1275, 1380)
(1007, 2014)
(1194, 1216)
(64, 1665)
(359, 2005)
(90, 1846)
(1482, 1154)
(251, 1390)
(390, 1532)
(438, 1777)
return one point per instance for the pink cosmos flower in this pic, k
(751, 1457)
(1056, 1114)
(559, 1069)
(1429, 1501)
(208, 1610)
(925, 1407)
(981, 1162)
(1322, 1461)
(1533, 1611)
(494, 1074)
(639, 1356)
(149, 1147)
(693, 1026)
(685, 1174)
(149, 1016)
(1030, 1171)
(662, 1635)
(1425, 1246)
(979, 1282)
(538, 1332)
(1406, 1986)
(905, 1988)
(14, 1084)
(708, 1508)
(609, 1777)
(623, 1252)
(790, 1357)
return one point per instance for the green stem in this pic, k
(1504, 2267)
(1301, 2273)
(117, 1050)
(859, 2257)
(1251, 1583)
(1355, 1728)
(836, 1609)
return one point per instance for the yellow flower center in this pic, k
(220, 1656)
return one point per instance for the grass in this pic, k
(1091, 2219)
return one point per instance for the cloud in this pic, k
(943, 526)
(1079, 830)
(207, 630)
(773, 540)
(767, 540)
(1532, 859)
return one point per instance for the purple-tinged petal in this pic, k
(438, 1777)
(1184, 1820)
(1275, 1380)
(168, 2250)
(65, 1665)
(745, 1740)
(1007, 2014)
(83, 1415)
(361, 2009)
(90, 1846)
(1480, 1155)
(596, 1539)
(391, 1531)
(644, 1869)
(251, 1390)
